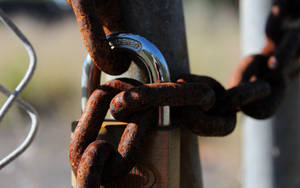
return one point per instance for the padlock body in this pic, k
(154, 168)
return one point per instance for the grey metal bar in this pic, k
(286, 140)
(162, 23)
(87, 68)
(257, 135)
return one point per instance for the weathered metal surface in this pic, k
(286, 140)
(275, 60)
(94, 80)
(256, 68)
(202, 100)
(96, 19)
(215, 109)
(151, 168)
(149, 57)
(259, 85)
(220, 119)
(90, 170)
(130, 147)
(171, 94)
(93, 116)
(101, 164)
(162, 23)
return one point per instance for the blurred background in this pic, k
(213, 43)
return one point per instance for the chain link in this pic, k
(200, 103)
(96, 19)
(276, 63)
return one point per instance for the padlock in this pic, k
(149, 168)
(143, 51)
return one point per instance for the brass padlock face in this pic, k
(153, 166)
(147, 171)
(111, 130)
(143, 174)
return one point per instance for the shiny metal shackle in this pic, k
(90, 78)
(147, 53)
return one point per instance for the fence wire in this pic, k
(13, 96)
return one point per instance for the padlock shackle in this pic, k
(90, 79)
(146, 52)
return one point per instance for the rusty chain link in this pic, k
(198, 102)
(135, 105)
(96, 19)
(276, 63)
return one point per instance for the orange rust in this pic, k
(91, 16)
(106, 30)
(91, 120)
(258, 67)
(237, 75)
(275, 10)
(69, 2)
(272, 62)
(152, 95)
(269, 48)
(250, 97)
(151, 169)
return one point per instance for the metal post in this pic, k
(286, 136)
(162, 23)
(257, 135)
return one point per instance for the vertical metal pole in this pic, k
(163, 163)
(257, 135)
(286, 130)
(287, 140)
(162, 23)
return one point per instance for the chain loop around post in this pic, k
(198, 102)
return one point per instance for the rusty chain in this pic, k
(198, 102)
(96, 19)
(274, 64)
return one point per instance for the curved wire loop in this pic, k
(32, 113)
(13, 96)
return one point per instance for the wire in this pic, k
(31, 68)
(32, 132)
(12, 97)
